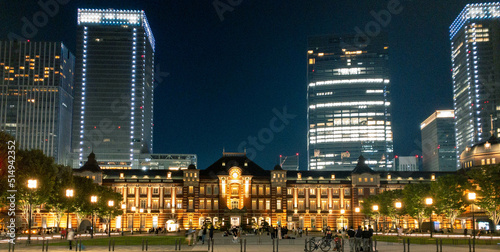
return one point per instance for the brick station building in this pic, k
(236, 191)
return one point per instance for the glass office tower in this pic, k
(348, 94)
(113, 113)
(438, 141)
(475, 56)
(36, 96)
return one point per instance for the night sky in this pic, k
(219, 81)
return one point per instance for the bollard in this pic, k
(375, 243)
(113, 244)
(277, 244)
(441, 245)
(180, 241)
(273, 246)
(305, 246)
(241, 245)
(208, 245)
(47, 246)
(245, 245)
(404, 245)
(470, 247)
(109, 245)
(43, 245)
(342, 244)
(408, 244)
(212, 245)
(176, 244)
(147, 244)
(142, 244)
(437, 245)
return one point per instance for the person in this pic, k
(211, 233)
(465, 231)
(279, 233)
(358, 238)
(400, 231)
(71, 235)
(351, 233)
(300, 232)
(63, 234)
(189, 236)
(271, 230)
(200, 235)
(203, 234)
(365, 234)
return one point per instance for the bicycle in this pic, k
(323, 244)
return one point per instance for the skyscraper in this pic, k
(113, 113)
(438, 141)
(348, 94)
(36, 96)
(475, 56)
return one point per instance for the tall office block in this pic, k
(475, 56)
(348, 94)
(438, 141)
(36, 96)
(113, 115)
(290, 163)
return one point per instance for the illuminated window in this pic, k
(278, 204)
(323, 191)
(202, 190)
(312, 205)
(261, 190)
(360, 191)
(289, 204)
(482, 161)
(191, 189)
(371, 179)
(301, 205)
(131, 190)
(168, 190)
(143, 203)
(372, 191)
(209, 204)
(234, 203)
(216, 204)
(301, 191)
(254, 204)
(179, 204)
(268, 204)
(493, 161)
(347, 191)
(234, 190)
(289, 191)
(312, 191)
(190, 206)
(202, 204)
(261, 204)
(254, 190)
(278, 190)
(268, 190)
(312, 61)
(154, 204)
(167, 204)
(156, 190)
(488, 161)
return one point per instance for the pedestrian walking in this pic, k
(71, 236)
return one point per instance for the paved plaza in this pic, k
(259, 244)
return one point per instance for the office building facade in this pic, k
(348, 95)
(474, 36)
(438, 141)
(113, 113)
(36, 96)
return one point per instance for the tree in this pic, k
(486, 181)
(448, 194)
(33, 164)
(106, 194)
(367, 208)
(85, 187)
(58, 203)
(413, 201)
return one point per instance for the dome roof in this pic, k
(192, 167)
(278, 168)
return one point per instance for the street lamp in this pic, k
(428, 202)
(398, 206)
(342, 212)
(133, 215)
(69, 194)
(32, 184)
(375, 208)
(93, 200)
(472, 197)
(140, 220)
(111, 203)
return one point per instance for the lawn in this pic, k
(125, 240)
(427, 240)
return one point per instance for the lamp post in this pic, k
(342, 212)
(140, 220)
(32, 184)
(124, 207)
(69, 194)
(398, 206)
(133, 215)
(375, 208)
(428, 202)
(93, 200)
(472, 197)
(111, 203)
(356, 210)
